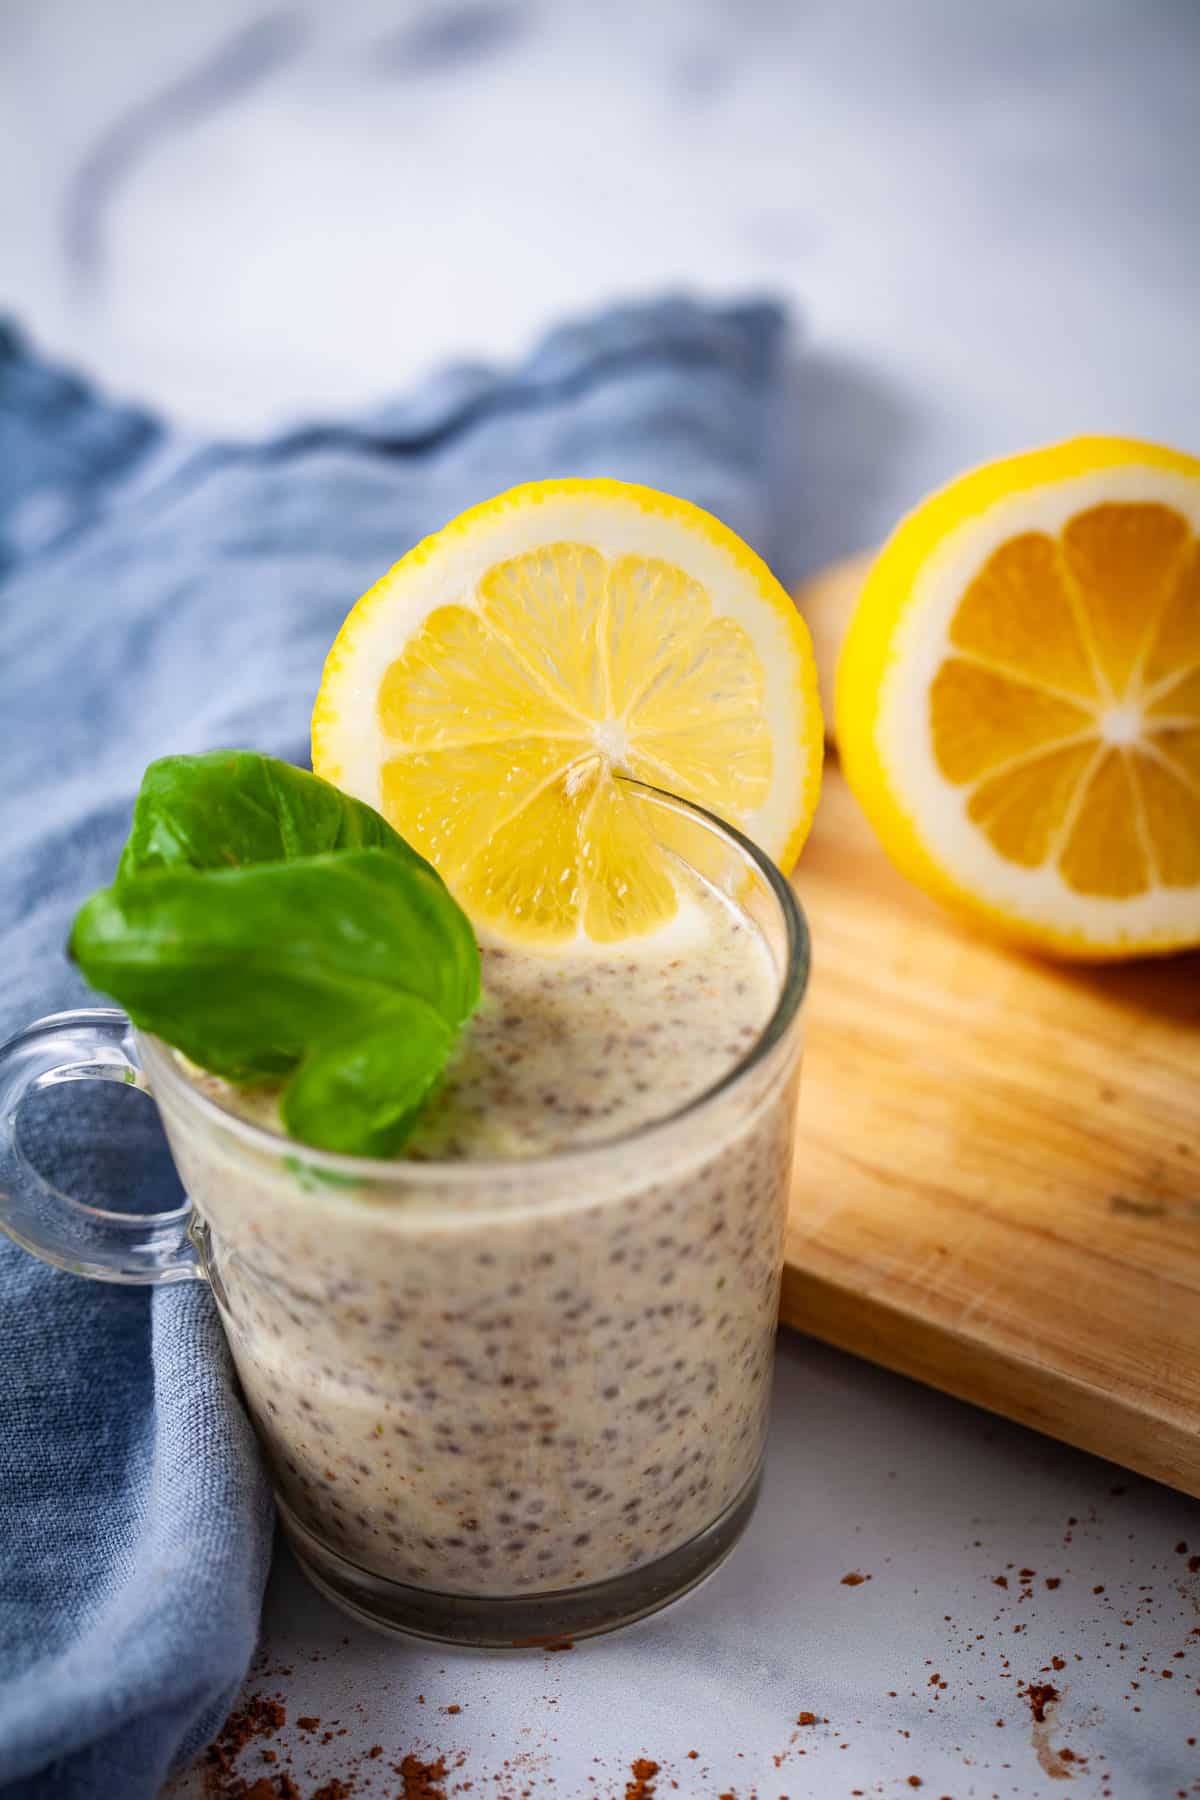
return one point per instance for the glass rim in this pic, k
(465, 1171)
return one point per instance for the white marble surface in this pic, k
(867, 1475)
(989, 218)
(987, 214)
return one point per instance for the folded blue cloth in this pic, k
(160, 594)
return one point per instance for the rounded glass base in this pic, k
(520, 1621)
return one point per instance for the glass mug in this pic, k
(502, 1402)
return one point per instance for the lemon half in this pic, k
(1018, 697)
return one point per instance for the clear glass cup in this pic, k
(503, 1403)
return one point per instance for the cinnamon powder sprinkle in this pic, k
(641, 1784)
(422, 1780)
(258, 1717)
(1040, 1695)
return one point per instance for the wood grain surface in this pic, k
(827, 600)
(997, 1184)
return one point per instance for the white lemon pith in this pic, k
(486, 693)
(1018, 703)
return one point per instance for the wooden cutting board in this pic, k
(997, 1184)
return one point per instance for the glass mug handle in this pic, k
(144, 1249)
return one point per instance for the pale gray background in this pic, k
(989, 217)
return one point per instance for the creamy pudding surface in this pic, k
(574, 1046)
(524, 1377)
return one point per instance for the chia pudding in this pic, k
(535, 1353)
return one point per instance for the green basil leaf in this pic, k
(242, 969)
(227, 808)
(270, 927)
(361, 1091)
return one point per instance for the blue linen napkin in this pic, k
(162, 594)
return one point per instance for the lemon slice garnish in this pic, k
(485, 695)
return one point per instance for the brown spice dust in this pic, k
(640, 1786)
